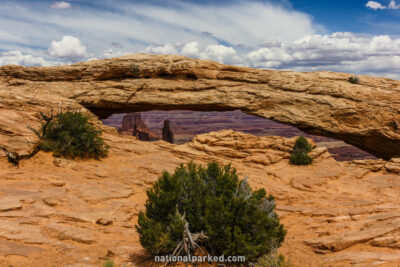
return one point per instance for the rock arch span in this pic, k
(366, 115)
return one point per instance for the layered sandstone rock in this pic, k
(366, 114)
(336, 213)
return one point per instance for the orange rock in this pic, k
(364, 114)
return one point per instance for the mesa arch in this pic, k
(366, 115)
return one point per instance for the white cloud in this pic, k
(239, 22)
(342, 51)
(375, 5)
(249, 33)
(221, 53)
(140, 24)
(161, 49)
(69, 48)
(60, 5)
(190, 49)
(110, 53)
(393, 5)
(17, 58)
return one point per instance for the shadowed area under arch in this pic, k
(186, 124)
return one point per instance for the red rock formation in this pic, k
(141, 135)
(132, 124)
(167, 134)
(131, 119)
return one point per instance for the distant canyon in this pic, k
(186, 124)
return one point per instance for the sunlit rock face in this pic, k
(335, 213)
(348, 211)
(366, 114)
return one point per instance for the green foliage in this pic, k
(354, 80)
(70, 135)
(272, 260)
(108, 263)
(236, 220)
(134, 70)
(300, 150)
(300, 158)
(302, 144)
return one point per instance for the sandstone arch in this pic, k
(366, 115)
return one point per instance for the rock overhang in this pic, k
(366, 114)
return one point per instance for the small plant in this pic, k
(272, 260)
(12, 157)
(70, 135)
(208, 208)
(299, 155)
(134, 70)
(108, 263)
(354, 80)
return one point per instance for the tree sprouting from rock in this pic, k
(69, 134)
(299, 155)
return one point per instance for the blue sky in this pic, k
(351, 16)
(355, 36)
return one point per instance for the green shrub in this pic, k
(236, 220)
(299, 155)
(272, 260)
(70, 135)
(108, 263)
(354, 80)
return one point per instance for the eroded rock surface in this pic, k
(336, 213)
(366, 114)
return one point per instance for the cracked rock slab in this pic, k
(8, 203)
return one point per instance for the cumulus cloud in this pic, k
(68, 48)
(221, 53)
(17, 58)
(161, 49)
(254, 33)
(190, 49)
(110, 53)
(60, 5)
(393, 5)
(342, 51)
(376, 5)
(140, 24)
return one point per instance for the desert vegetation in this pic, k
(299, 155)
(272, 260)
(354, 79)
(108, 263)
(208, 208)
(69, 134)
